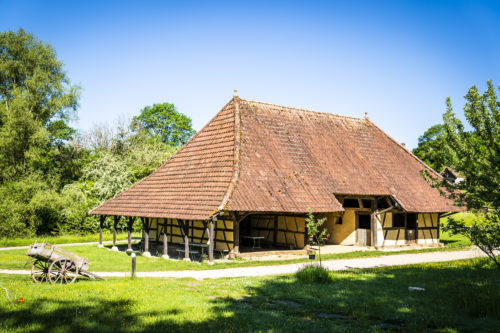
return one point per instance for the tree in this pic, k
(165, 122)
(315, 230)
(432, 149)
(36, 102)
(478, 158)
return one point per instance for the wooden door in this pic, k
(363, 231)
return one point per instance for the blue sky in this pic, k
(396, 60)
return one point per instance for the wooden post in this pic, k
(165, 240)
(236, 237)
(211, 239)
(275, 232)
(405, 216)
(185, 230)
(145, 228)
(373, 222)
(129, 229)
(101, 225)
(115, 223)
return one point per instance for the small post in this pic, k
(165, 240)
(115, 223)
(145, 227)
(101, 225)
(129, 225)
(133, 265)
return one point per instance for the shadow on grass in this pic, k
(456, 297)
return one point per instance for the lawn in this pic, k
(104, 260)
(459, 296)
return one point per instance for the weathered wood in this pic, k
(185, 231)
(130, 224)
(373, 221)
(275, 230)
(115, 224)
(145, 228)
(236, 236)
(212, 241)
(165, 240)
(101, 226)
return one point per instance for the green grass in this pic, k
(103, 260)
(459, 296)
(62, 239)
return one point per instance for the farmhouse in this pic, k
(254, 170)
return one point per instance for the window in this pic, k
(339, 220)
(411, 221)
(398, 220)
(366, 203)
(364, 221)
(351, 203)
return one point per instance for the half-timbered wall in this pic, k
(388, 233)
(196, 232)
(290, 230)
(428, 228)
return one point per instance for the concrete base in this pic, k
(100, 245)
(114, 248)
(210, 263)
(129, 250)
(165, 256)
(187, 259)
(146, 254)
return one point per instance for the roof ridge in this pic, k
(305, 110)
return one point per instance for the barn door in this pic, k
(363, 229)
(411, 228)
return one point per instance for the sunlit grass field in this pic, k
(459, 296)
(63, 239)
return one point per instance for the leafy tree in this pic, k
(165, 122)
(315, 230)
(432, 149)
(478, 159)
(36, 101)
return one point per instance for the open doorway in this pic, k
(363, 229)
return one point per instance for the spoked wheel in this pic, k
(63, 271)
(40, 271)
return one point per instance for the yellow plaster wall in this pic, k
(430, 236)
(345, 233)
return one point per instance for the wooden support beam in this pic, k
(115, 224)
(211, 239)
(275, 231)
(145, 229)
(373, 221)
(236, 236)
(185, 231)
(130, 224)
(165, 240)
(101, 225)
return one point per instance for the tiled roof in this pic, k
(261, 157)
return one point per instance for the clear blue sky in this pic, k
(397, 60)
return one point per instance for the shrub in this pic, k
(313, 274)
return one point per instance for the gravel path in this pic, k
(336, 265)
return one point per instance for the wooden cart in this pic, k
(56, 265)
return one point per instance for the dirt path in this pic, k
(335, 265)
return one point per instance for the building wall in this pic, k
(197, 233)
(344, 233)
(428, 225)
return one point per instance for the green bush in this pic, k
(313, 274)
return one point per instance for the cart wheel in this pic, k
(63, 271)
(40, 271)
